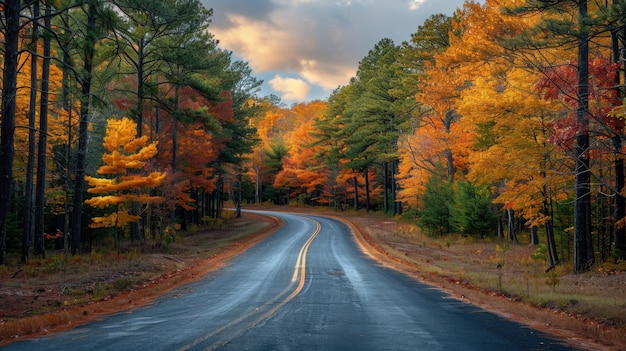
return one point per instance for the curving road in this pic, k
(307, 287)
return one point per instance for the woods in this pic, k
(70, 68)
(504, 119)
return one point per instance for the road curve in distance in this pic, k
(306, 287)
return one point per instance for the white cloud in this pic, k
(326, 76)
(290, 88)
(415, 4)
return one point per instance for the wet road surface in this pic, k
(307, 287)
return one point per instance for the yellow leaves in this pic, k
(121, 133)
(117, 219)
(126, 152)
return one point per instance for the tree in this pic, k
(562, 30)
(94, 14)
(508, 121)
(583, 244)
(42, 147)
(438, 200)
(11, 18)
(119, 188)
(472, 212)
(28, 224)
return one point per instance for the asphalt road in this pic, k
(307, 287)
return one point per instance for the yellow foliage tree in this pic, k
(119, 188)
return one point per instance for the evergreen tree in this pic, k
(472, 212)
(438, 199)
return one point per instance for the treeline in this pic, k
(71, 66)
(506, 115)
(503, 116)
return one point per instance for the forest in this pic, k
(124, 119)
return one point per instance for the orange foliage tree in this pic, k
(121, 185)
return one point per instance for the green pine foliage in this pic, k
(434, 218)
(472, 212)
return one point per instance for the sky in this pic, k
(304, 49)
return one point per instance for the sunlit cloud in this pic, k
(326, 76)
(290, 88)
(257, 42)
(415, 4)
(319, 42)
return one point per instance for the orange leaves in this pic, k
(127, 152)
(121, 134)
(117, 219)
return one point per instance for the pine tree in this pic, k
(118, 189)
(438, 199)
(472, 213)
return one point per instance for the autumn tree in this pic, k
(422, 148)
(120, 186)
(507, 121)
(583, 24)
(94, 21)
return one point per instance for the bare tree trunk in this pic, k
(7, 132)
(81, 158)
(619, 251)
(27, 234)
(367, 191)
(583, 245)
(42, 147)
(511, 225)
(385, 187)
(356, 193)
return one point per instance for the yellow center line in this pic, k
(299, 270)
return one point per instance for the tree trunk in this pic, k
(7, 133)
(447, 123)
(239, 196)
(583, 245)
(135, 231)
(356, 193)
(27, 233)
(42, 147)
(65, 90)
(67, 68)
(174, 129)
(81, 157)
(534, 237)
(385, 187)
(397, 206)
(511, 225)
(367, 191)
(553, 254)
(619, 250)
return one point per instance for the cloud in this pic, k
(315, 46)
(258, 42)
(326, 76)
(291, 88)
(415, 4)
(319, 41)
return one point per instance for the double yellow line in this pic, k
(249, 320)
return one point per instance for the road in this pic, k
(306, 287)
